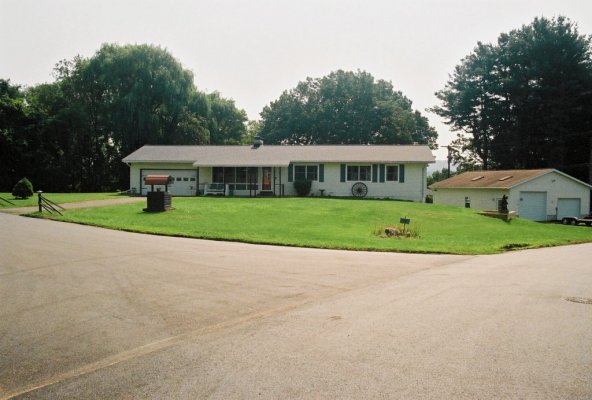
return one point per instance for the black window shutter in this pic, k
(342, 172)
(402, 173)
(374, 172)
(321, 172)
(382, 172)
(290, 173)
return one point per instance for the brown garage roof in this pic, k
(490, 179)
(281, 155)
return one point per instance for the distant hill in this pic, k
(438, 165)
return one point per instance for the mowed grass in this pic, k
(59, 198)
(333, 223)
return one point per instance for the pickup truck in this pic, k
(576, 221)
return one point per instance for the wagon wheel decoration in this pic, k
(359, 190)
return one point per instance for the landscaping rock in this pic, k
(392, 231)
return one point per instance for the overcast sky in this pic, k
(253, 50)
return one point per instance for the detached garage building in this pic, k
(537, 195)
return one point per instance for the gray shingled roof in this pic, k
(271, 155)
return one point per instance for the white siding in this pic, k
(136, 168)
(481, 199)
(554, 184)
(412, 189)
(557, 186)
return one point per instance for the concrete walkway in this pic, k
(94, 313)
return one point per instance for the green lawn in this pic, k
(55, 197)
(333, 223)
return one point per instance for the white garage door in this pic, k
(184, 184)
(568, 208)
(533, 206)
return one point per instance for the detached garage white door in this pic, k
(568, 208)
(184, 184)
(533, 206)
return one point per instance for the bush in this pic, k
(302, 187)
(23, 189)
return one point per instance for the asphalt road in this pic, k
(92, 313)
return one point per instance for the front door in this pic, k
(266, 179)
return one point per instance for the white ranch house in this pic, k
(537, 195)
(388, 171)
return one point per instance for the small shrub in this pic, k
(429, 199)
(23, 189)
(302, 187)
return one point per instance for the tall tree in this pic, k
(344, 108)
(524, 102)
(70, 135)
(227, 124)
(15, 124)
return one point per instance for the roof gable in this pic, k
(504, 179)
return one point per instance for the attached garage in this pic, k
(533, 206)
(568, 208)
(537, 195)
(184, 181)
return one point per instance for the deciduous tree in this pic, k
(344, 108)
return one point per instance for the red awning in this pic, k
(157, 179)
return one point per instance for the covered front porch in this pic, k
(241, 181)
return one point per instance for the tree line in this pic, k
(523, 102)
(70, 135)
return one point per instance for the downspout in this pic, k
(281, 188)
(423, 182)
(197, 183)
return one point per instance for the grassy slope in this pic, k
(55, 197)
(332, 223)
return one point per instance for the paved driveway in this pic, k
(94, 313)
(79, 204)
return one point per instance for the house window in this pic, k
(229, 175)
(306, 172)
(359, 173)
(218, 175)
(392, 173)
(240, 177)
